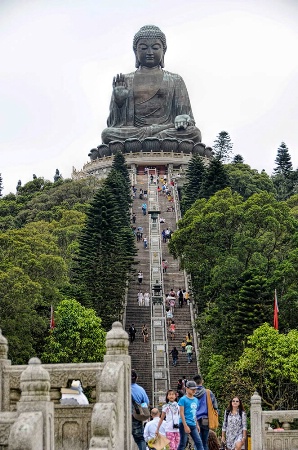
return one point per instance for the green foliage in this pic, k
(283, 161)
(43, 200)
(106, 253)
(216, 178)
(236, 253)
(36, 257)
(238, 159)
(195, 175)
(77, 337)
(269, 364)
(247, 181)
(19, 320)
(223, 146)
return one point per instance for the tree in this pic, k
(269, 364)
(78, 335)
(195, 175)
(223, 146)
(247, 181)
(215, 179)
(237, 252)
(238, 159)
(19, 320)
(103, 262)
(283, 161)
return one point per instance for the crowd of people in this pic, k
(186, 412)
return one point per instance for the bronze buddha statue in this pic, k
(150, 101)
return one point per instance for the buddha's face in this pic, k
(149, 52)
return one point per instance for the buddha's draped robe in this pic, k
(154, 116)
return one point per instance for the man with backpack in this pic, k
(138, 397)
(202, 411)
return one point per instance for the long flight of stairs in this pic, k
(140, 352)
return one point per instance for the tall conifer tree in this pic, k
(283, 161)
(223, 146)
(216, 178)
(195, 174)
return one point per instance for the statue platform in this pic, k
(151, 152)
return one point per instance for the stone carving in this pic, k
(150, 101)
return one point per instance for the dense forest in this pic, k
(61, 244)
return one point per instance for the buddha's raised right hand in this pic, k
(120, 89)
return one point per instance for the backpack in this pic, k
(140, 412)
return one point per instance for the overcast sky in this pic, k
(238, 59)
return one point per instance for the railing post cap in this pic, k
(256, 398)
(35, 382)
(117, 340)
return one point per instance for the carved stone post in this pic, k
(111, 417)
(35, 410)
(3, 363)
(256, 422)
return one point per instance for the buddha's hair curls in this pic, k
(149, 32)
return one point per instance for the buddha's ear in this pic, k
(137, 63)
(162, 61)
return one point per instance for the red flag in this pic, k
(52, 320)
(276, 311)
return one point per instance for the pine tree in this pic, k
(103, 261)
(223, 146)
(283, 161)
(195, 174)
(238, 159)
(215, 180)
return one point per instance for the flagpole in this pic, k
(275, 311)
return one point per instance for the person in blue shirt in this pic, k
(202, 411)
(188, 423)
(140, 396)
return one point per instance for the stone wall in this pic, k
(31, 416)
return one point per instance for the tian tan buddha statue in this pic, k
(150, 101)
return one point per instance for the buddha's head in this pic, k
(149, 46)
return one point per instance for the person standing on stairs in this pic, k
(147, 298)
(145, 333)
(202, 411)
(140, 298)
(140, 277)
(174, 353)
(140, 396)
(132, 333)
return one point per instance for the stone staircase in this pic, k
(174, 278)
(139, 351)
(141, 358)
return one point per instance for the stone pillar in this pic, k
(3, 363)
(117, 350)
(111, 417)
(35, 410)
(256, 422)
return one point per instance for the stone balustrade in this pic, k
(31, 416)
(263, 437)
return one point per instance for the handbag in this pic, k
(140, 412)
(159, 442)
(212, 413)
(223, 446)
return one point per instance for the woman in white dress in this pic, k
(147, 298)
(140, 298)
